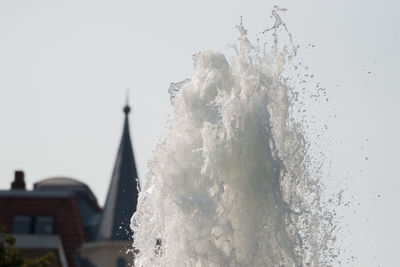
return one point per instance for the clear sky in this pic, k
(65, 67)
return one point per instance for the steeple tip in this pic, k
(127, 108)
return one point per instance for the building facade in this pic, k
(62, 215)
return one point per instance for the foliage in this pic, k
(10, 256)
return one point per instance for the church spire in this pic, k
(123, 191)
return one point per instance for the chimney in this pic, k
(19, 183)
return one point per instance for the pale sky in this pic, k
(65, 66)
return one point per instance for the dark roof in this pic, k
(123, 191)
(36, 194)
(55, 187)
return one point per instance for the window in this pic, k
(44, 225)
(121, 262)
(22, 224)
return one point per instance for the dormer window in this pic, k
(22, 224)
(41, 225)
(44, 225)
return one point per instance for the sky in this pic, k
(65, 67)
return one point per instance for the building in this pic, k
(114, 234)
(62, 215)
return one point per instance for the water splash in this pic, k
(231, 184)
(174, 88)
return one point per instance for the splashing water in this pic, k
(230, 184)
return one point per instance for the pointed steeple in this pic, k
(123, 191)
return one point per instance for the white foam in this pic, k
(229, 184)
